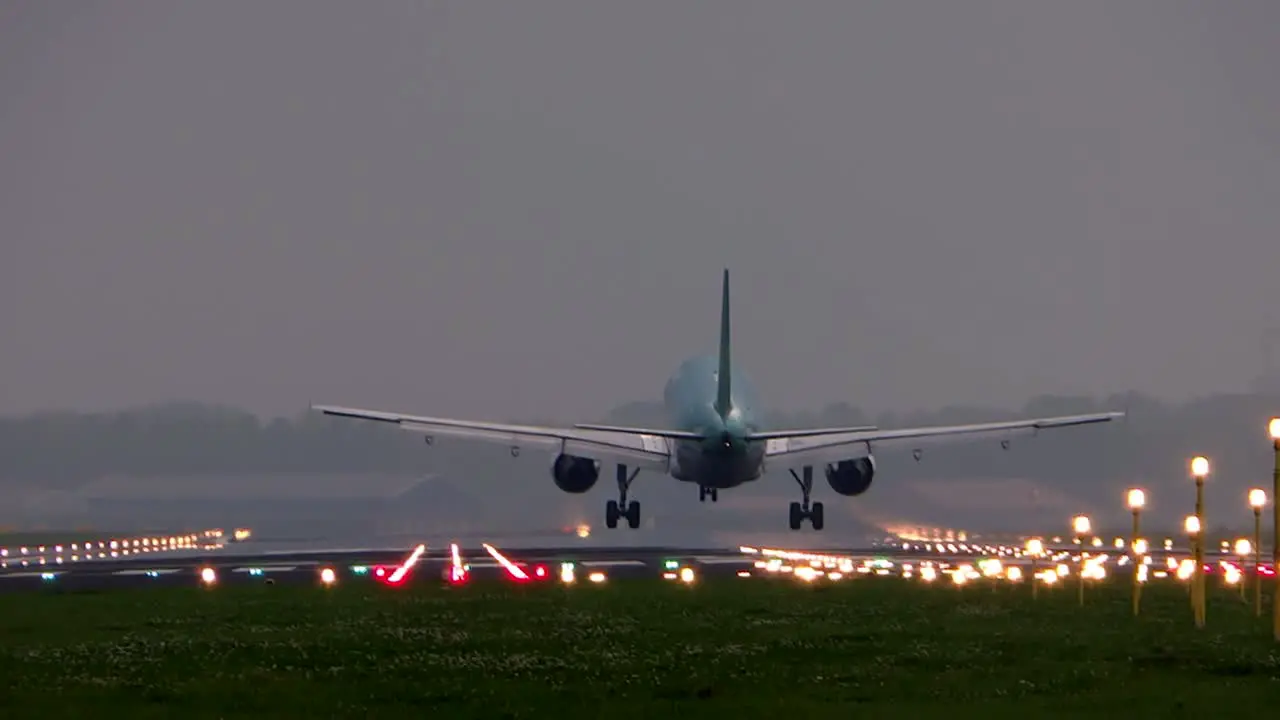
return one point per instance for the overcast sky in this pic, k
(521, 209)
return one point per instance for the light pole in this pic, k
(1274, 427)
(1257, 501)
(1243, 550)
(1141, 548)
(1192, 526)
(1035, 548)
(1199, 470)
(1081, 526)
(1136, 499)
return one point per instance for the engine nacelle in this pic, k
(575, 474)
(852, 477)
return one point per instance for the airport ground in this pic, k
(632, 645)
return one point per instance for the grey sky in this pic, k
(521, 209)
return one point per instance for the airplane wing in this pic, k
(835, 445)
(648, 449)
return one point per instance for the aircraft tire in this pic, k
(633, 514)
(797, 516)
(611, 514)
(815, 516)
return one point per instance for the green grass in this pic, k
(874, 647)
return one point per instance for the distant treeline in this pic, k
(1151, 448)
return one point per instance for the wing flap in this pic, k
(780, 434)
(823, 446)
(644, 450)
(670, 434)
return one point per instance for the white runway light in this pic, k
(208, 576)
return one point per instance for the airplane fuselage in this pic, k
(726, 458)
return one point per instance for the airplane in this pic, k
(717, 442)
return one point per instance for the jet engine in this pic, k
(851, 477)
(575, 474)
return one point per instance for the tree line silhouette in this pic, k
(1150, 448)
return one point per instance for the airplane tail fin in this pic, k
(723, 389)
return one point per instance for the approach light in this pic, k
(1257, 498)
(1199, 467)
(1080, 524)
(1137, 499)
(1191, 525)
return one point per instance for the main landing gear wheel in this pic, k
(620, 508)
(801, 511)
(612, 512)
(706, 492)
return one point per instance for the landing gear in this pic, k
(706, 492)
(801, 511)
(620, 508)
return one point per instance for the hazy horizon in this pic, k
(509, 210)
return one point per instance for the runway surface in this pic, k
(305, 566)
(237, 563)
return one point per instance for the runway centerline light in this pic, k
(328, 576)
(208, 575)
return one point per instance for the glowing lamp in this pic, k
(1137, 498)
(1257, 498)
(1199, 467)
(1035, 547)
(1080, 524)
(1191, 525)
(1274, 428)
(1243, 547)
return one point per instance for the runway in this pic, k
(239, 563)
(305, 566)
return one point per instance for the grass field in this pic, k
(873, 647)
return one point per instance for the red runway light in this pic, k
(540, 571)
